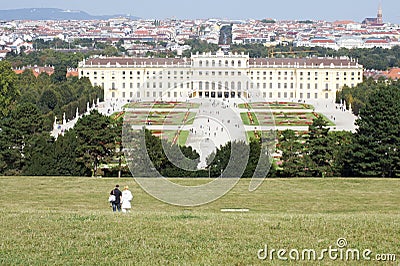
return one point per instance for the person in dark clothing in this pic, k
(117, 203)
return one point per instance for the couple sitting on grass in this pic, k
(120, 200)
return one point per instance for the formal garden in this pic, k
(162, 105)
(155, 117)
(275, 105)
(281, 118)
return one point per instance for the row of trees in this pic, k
(373, 150)
(358, 96)
(28, 149)
(317, 153)
(27, 109)
(53, 95)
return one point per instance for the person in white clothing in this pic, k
(126, 200)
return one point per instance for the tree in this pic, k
(96, 136)
(66, 157)
(18, 129)
(60, 73)
(375, 151)
(320, 148)
(293, 154)
(39, 156)
(341, 142)
(234, 159)
(8, 91)
(48, 100)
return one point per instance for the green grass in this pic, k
(251, 134)
(170, 134)
(183, 136)
(246, 120)
(47, 221)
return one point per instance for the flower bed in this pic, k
(276, 105)
(250, 118)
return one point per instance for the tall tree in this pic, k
(17, 130)
(375, 151)
(96, 135)
(65, 156)
(39, 156)
(320, 148)
(294, 161)
(8, 91)
(341, 142)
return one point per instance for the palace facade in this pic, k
(221, 75)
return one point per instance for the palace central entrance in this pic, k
(218, 94)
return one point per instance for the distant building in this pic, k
(393, 73)
(376, 42)
(350, 42)
(220, 76)
(378, 21)
(37, 70)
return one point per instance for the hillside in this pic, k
(53, 14)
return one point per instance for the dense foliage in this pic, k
(375, 150)
(314, 153)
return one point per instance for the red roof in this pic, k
(72, 73)
(343, 22)
(393, 73)
(376, 41)
(322, 41)
(36, 70)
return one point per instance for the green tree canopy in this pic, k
(8, 91)
(96, 136)
(375, 151)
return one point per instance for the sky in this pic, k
(355, 10)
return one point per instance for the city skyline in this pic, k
(355, 10)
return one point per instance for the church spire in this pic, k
(379, 19)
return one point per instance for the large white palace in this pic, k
(221, 75)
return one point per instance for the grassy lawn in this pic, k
(183, 136)
(47, 221)
(246, 120)
(252, 134)
(170, 134)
